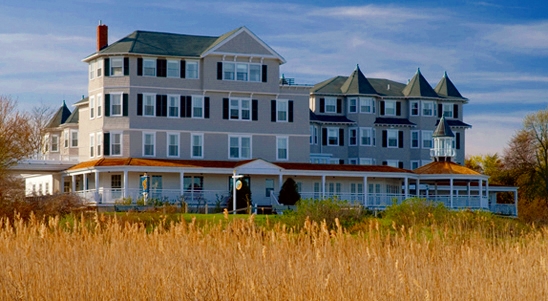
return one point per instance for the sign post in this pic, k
(146, 188)
(235, 187)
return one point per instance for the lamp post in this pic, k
(234, 177)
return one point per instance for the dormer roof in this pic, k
(60, 116)
(446, 88)
(419, 87)
(357, 83)
(443, 129)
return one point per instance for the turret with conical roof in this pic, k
(446, 88)
(419, 87)
(443, 142)
(59, 117)
(357, 84)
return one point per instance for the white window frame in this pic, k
(363, 135)
(353, 133)
(99, 105)
(447, 108)
(239, 108)
(366, 161)
(424, 138)
(116, 66)
(198, 104)
(367, 105)
(152, 98)
(92, 70)
(73, 133)
(238, 74)
(330, 102)
(416, 163)
(177, 99)
(66, 136)
(255, 75)
(279, 141)
(353, 161)
(282, 110)
(313, 135)
(332, 133)
(99, 143)
(200, 137)
(168, 142)
(149, 67)
(389, 105)
(153, 143)
(92, 107)
(120, 96)
(56, 148)
(113, 144)
(392, 135)
(92, 145)
(353, 108)
(176, 70)
(425, 110)
(418, 140)
(99, 68)
(189, 72)
(393, 163)
(240, 139)
(414, 105)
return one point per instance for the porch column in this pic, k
(96, 194)
(418, 187)
(280, 181)
(73, 183)
(516, 200)
(182, 182)
(451, 192)
(323, 187)
(468, 190)
(487, 188)
(406, 187)
(480, 187)
(365, 191)
(85, 179)
(62, 184)
(126, 180)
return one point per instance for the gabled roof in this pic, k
(419, 87)
(446, 88)
(446, 168)
(443, 129)
(357, 83)
(82, 101)
(59, 117)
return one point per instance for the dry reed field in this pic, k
(102, 258)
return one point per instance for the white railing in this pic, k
(504, 209)
(135, 195)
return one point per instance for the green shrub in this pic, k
(328, 209)
(416, 211)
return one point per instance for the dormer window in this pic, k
(330, 105)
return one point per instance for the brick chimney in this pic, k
(102, 36)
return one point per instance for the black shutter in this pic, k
(107, 66)
(161, 68)
(322, 105)
(324, 136)
(440, 110)
(125, 104)
(400, 139)
(164, 105)
(158, 105)
(107, 105)
(455, 111)
(206, 107)
(290, 111)
(139, 104)
(457, 140)
(183, 106)
(106, 144)
(219, 70)
(398, 108)
(341, 137)
(384, 163)
(264, 73)
(339, 105)
(341, 161)
(225, 108)
(183, 69)
(140, 66)
(273, 110)
(254, 109)
(384, 138)
(189, 106)
(400, 164)
(382, 107)
(126, 66)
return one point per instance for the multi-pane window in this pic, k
(356, 188)
(228, 71)
(173, 68)
(414, 108)
(254, 73)
(239, 147)
(149, 67)
(352, 105)
(116, 181)
(148, 144)
(173, 106)
(191, 69)
(173, 145)
(73, 138)
(415, 139)
(269, 187)
(392, 137)
(99, 144)
(392, 163)
(91, 107)
(92, 145)
(332, 136)
(197, 141)
(92, 70)
(116, 144)
(313, 135)
(281, 110)
(427, 108)
(367, 161)
(282, 148)
(367, 137)
(99, 105)
(116, 104)
(197, 106)
(390, 107)
(367, 105)
(54, 143)
(66, 138)
(330, 105)
(448, 110)
(240, 109)
(116, 66)
(352, 136)
(241, 72)
(149, 104)
(99, 68)
(426, 139)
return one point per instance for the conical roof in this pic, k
(443, 129)
(445, 168)
(446, 88)
(74, 117)
(419, 87)
(357, 83)
(59, 117)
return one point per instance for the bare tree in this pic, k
(39, 117)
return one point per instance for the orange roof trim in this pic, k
(436, 168)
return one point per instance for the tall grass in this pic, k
(102, 258)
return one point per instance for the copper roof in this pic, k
(436, 168)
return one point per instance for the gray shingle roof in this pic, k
(358, 84)
(74, 117)
(394, 121)
(330, 86)
(443, 129)
(329, 119)
(59, 117)
(419, 87)
(446, 88)
(455, 123)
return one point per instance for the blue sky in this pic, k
(495, 52)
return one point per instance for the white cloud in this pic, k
(529, 38)
(510, 96)
(491, 133)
